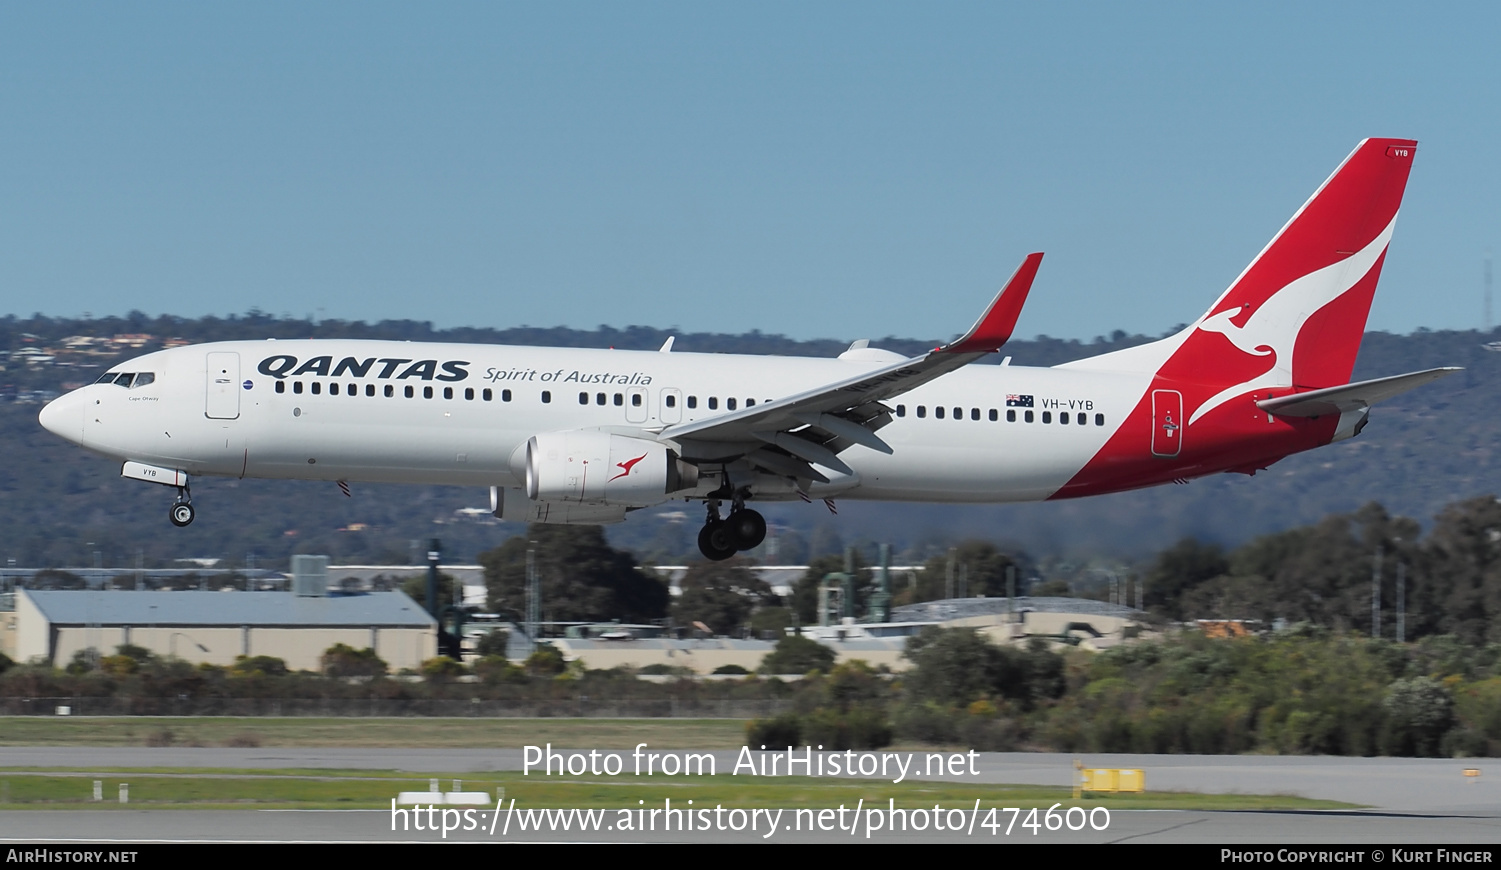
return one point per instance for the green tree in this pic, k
(721, 595)
(1178, 569)
(342, 660)
(795, 654)
(979, 569)
(582, 577)
(450, 591)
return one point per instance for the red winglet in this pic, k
(994, 328)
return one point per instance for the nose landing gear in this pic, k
(182, 512)
(720, 539)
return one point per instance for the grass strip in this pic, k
(166, 788)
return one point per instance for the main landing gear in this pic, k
(720, 539)
(181, 513)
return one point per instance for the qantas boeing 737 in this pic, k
(563, 435)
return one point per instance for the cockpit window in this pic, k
(128, 380)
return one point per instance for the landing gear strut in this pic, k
(181, 513)
(720, 539)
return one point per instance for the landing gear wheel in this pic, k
(181, 514)
(747, 529)
(714, 541)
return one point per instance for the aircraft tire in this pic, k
(181, 514)
(714, 542)
(747, 529)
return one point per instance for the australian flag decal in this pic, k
(1014, 401)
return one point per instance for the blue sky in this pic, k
(819, 170)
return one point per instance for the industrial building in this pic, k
(216, 627)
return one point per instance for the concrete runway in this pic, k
(1412, 801)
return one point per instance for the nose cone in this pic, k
(63, 416)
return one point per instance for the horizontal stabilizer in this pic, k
(1349, 397)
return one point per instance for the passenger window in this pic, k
(729, 404)
(600, 398)
(370, 390)
(713, 403)
(583, 398)
(317, 387)
(750, 403)
(1081, 418)
(635, 400)
(958, 413)
(994, 415)
(354, 389)
(1010, 415)
(1099, 419)
(619, 400)
(409, 392)
(333, 389)
(901, 410)
(1063, 418)
(281, 386)
(469, 394)
(505, 395)
(487, 394)
(938, 412)
(297, 387)
(922, 411)
(390, 391)
(448, 392)
(693, 402)
(546, 396)
(1047, 416)
(1028, 417)
(427, 392)
(974, 413)
(142, 380)
(671, 401)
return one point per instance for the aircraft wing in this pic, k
(787, 434)
(1350, 397)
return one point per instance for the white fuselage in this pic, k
(214, 409)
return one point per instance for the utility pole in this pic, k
(1401, 602)
(948, 585)
(533, 597)
(1376, 594)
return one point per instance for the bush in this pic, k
(493, 643)
(442, 669)
(546, 661)
(731, 669)
(498, 669)
(783, 732)
(270, 666)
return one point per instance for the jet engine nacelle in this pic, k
(587, 466)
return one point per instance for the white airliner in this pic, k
(565, 435)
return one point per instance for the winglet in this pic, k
(994, 328)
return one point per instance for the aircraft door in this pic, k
(222, 378)
(635, 405)
(672, 406)
(1167, 422)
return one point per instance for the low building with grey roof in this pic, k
(216, 627)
